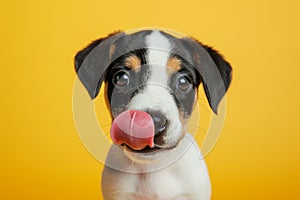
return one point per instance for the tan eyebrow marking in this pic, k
(133, 62)
(173, 65)
(111, 51)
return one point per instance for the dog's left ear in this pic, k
(91, 62)
(213, 69)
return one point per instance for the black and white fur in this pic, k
(153, 86)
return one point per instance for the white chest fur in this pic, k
(185, 178)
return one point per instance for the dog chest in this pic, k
(186, 178)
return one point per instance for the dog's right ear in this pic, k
(91, 62)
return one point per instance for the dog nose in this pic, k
(160, 121)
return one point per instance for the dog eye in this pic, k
(183, 84)
(121, 79)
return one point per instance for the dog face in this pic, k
(157, 73)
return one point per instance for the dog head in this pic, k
(155, 77)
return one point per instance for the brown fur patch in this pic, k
(173, 65)
(111, 51)
(184, 120)
(133, 62)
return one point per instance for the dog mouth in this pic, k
(145, 150)
(139, 131)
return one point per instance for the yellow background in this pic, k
(257, 156)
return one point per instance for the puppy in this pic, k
(151, 83)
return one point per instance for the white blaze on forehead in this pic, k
(158, 55)
(157, 94)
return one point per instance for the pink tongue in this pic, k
(134, 128)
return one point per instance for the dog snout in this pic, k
(160, 121)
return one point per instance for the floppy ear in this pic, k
(91, 62)
(213, 69)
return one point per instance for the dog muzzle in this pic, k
(133, 128)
